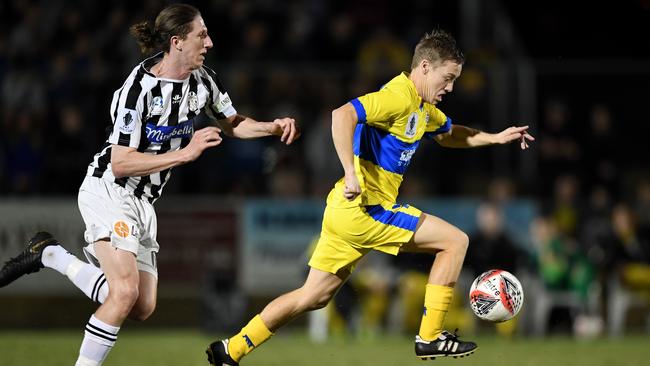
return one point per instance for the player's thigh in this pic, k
(117, 264)
(434, 234)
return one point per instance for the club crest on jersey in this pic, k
(156, 106)
(125, 121)
(192, 101)
(411, 125)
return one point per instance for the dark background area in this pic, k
(60, 62)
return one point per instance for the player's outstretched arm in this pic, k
(128, 162)
(247, 128)
(464, 137)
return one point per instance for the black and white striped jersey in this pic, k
(156, 115)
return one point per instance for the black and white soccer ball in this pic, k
(496, 296)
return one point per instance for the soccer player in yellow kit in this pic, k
(375, 137)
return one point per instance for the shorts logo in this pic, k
(126, 124)
(412, 125)
(121, 229)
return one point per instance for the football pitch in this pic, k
(177, 347)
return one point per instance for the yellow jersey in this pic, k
(391, 123)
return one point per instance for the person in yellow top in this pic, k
(375, 137)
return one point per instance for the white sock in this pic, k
(86, 277)
(57, 258)
(99, 338)
(89, 279)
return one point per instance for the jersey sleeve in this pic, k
(438, 123)
(220, 105)
(127, 113)
(381, 108)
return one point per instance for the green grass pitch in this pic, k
(179, 347)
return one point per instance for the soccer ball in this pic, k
(496, 296)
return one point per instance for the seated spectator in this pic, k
(630, 250)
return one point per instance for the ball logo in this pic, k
(121, 229)
(496, 295)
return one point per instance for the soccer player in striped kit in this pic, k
(375, 137)
(153, 115)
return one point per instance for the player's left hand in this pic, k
(511, 134)
(287, 130)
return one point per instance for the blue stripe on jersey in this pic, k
(382, 148)
(160, 134)
(442, 129)
(399, 219)
(361, 112)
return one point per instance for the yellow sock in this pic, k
(252, 335)
(436, 303)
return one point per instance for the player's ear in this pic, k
(426, 65)
(175, 42)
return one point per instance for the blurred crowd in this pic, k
(60, 62)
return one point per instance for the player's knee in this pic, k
(123, 296)
(317, 301)
(320, 302)
(143, 310)
(461, 242)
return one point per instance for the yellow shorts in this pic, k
(349, 233)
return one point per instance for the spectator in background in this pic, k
(642, 204)
(382, 55)
(559, 151)
(630, 250)
(595, 231)
(492, 247)
(561, 263)
(24, 154)
(500, 190)
(601, 151)
(68, 152)
(565, 208)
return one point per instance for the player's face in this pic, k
(196, 44)
(439, 80)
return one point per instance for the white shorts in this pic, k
(113, 212)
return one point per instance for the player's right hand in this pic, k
(352, 187)
(203, 139)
